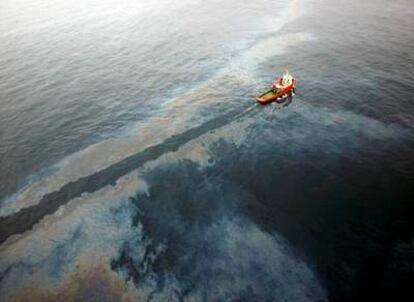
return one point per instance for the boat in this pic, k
(282, 88)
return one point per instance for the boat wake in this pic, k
(49, 203)
(209, 99)
(177, 124)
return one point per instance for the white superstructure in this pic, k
(287, 79)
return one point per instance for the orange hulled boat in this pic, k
(282, 88)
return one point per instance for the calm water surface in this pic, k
(135, 165)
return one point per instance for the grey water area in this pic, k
(135, 164)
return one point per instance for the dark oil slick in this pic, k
(136, 166)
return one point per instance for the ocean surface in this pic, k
(136, 166)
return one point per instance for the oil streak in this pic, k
(27, 217)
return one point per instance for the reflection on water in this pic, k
(136, 165)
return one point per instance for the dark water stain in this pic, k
(350, 216)
(27, 217)
(184, 205)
